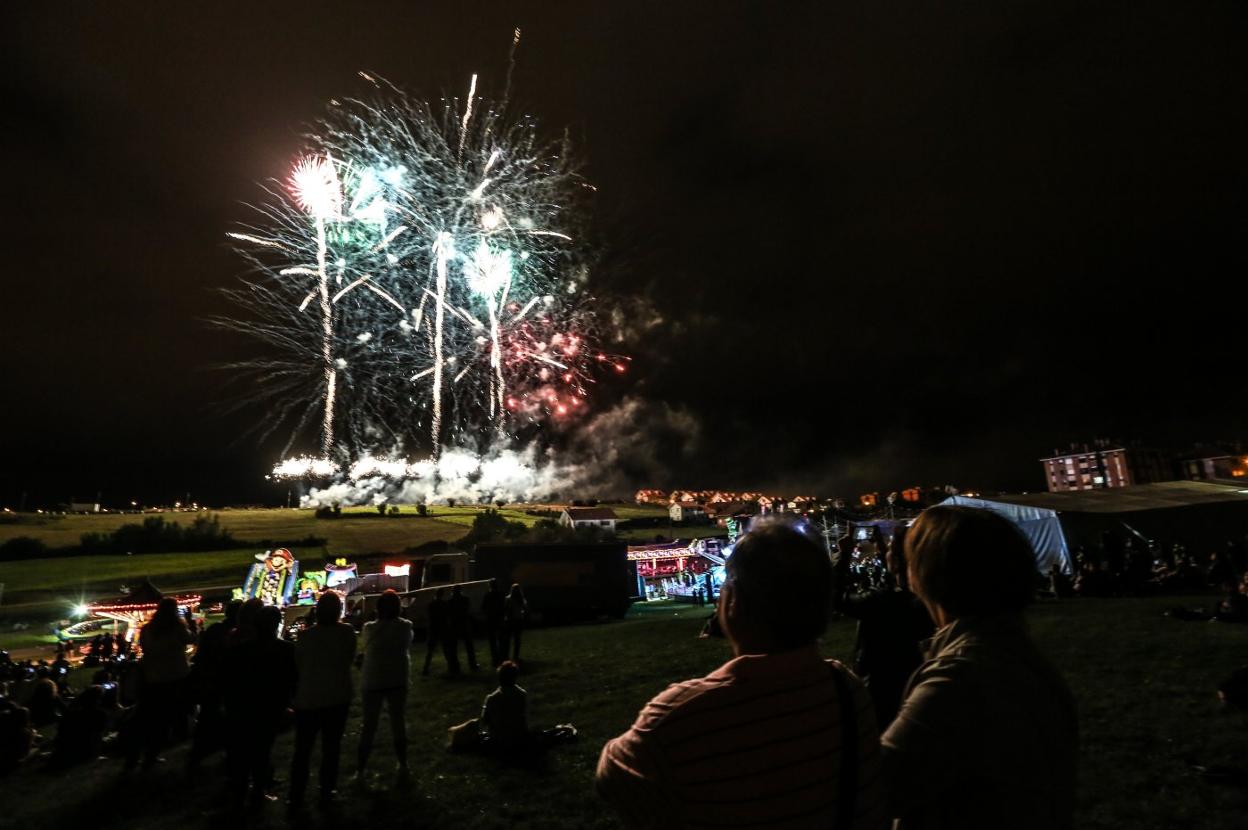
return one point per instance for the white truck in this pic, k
(562, 582)
(443, 570)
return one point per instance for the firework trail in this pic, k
(315, 185)
(419, 282)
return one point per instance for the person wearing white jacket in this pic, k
(387, 643)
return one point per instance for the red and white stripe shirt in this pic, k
(756, 743)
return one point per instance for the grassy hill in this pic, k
(1144, 684)
(358, 530)
(37, 588)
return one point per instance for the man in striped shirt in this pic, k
(777, 736)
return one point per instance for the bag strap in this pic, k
(848, 789)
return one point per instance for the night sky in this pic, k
(892, 243)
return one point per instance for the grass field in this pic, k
(94, 572)
(38, 588)
(1144, 684)
(359, 530)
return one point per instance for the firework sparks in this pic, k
(304, 467)
(396, 207)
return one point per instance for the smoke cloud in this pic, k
(632, 444)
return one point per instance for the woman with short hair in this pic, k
(987, 735)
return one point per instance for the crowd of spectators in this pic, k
(235, 685)
(1118, 565)
(945, 684)
(984, 735)
(1122, 565)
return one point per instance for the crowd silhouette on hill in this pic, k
(944, 683)
(235, 685)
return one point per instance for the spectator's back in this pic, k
(778, 736)
(758, 742)
(988, 736)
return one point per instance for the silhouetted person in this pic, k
(1233, 607)
(323, 654)
(515, 613)
(17, 736)
(505, 713)
(987, 735)
(1237, 555)
(260, 682)
(60, 673)
(208, 685)
(386, 644)
(162, 683)
(80, 736)
(777, 736)
(459, 614)
(492, 609)
(94, 650)
(106, 647)
(892, 622)
(1219, 570)
(438, 624)
(45, 704)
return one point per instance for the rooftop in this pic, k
(589, 513)
(1127, 499)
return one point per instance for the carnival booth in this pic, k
(273, 578)
(685, 571)
(277, 579)
(135, 608)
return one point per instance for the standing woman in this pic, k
(163, 671)
(515, 612)
(323, 656)
(987, 735)
(387, 643)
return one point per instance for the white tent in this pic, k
(1040, 525)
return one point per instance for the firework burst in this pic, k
(419, 281)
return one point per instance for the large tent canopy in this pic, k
(1040, 525)
(1202, 516)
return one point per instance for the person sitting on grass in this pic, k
(987, 734)
(1233, 607)
(17, 736)
(46, 705)
(777, 736)
(503, 727)
(80, 736)
(505, 714)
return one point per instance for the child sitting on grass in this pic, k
(504, 720)
(503, 728)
